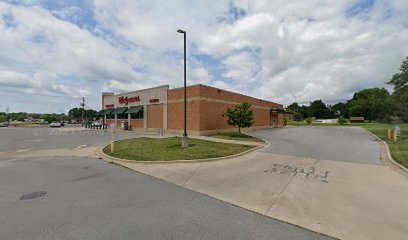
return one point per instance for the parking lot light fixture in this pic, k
(184, 142)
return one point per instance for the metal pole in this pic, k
(83, 105)
(185, 88)
(184, 142)
(7, 114)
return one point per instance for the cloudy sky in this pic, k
(52, 52)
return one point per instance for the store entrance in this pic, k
(274, 120)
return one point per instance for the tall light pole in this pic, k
(184, 142)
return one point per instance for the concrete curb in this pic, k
(386, 152)
(99, 152)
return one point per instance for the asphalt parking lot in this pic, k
(346, 144)
(12, 139)
(86, 198)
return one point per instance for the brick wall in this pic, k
(155, 116)
(136, 123)
(212, 115)
(206, 107)
(110, 121)
(175, 117)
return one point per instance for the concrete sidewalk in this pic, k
(213, 139)
(341, 199)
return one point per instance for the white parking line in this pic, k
(37, 140)
(24, 150)
(80, 146)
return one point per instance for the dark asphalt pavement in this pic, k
(91, 199)
(348, 144)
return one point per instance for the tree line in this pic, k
(89, 114)
(372, 103)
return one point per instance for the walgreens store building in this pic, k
(162, 109)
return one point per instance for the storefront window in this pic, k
(123, 116)
(110, 116)
(138, 115)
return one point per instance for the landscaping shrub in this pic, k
(341, 120)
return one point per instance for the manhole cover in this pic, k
(33, 195)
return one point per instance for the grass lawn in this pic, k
(399, 151)
(167, 149)
(236, 136)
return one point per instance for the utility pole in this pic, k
(7, 114)
(83, 108)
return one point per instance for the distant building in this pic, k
(356, 119)
(29, 119)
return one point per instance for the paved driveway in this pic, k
(334, 185)
(348, 144)
(88, 198)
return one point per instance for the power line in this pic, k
(50, 95)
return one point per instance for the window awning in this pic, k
(108, 111)
(120, 110)
(134, 109)
(100, 113)
(277, 111)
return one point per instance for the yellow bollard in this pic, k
(395, 137)
(389, 134)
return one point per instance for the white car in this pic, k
(55, 124)
(96, 123)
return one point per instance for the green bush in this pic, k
(309, 120)
(341, 120)
(285, 121)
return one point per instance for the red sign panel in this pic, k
(156, 100)
(109, 105)
(127, 100)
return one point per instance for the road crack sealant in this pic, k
(309, 174)
(191, 175)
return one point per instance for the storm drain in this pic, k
(33, 195)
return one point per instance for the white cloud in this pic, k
(282, 50)
(15, 80)
(242, 66)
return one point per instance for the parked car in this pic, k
(96, 123)
(3, 124)
(55, 124)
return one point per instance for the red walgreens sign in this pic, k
(109, 105)
(156, 100)
(126, 100)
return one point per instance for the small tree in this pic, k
(240, 116)
(341, 120)
(309, 120)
